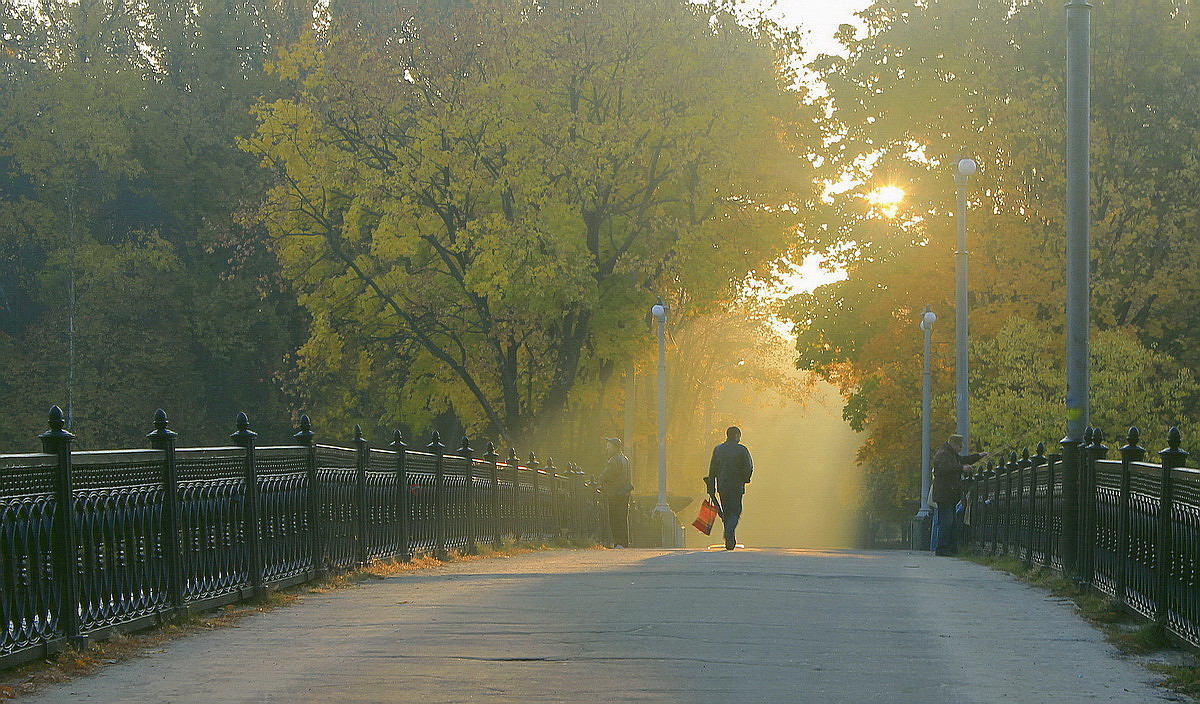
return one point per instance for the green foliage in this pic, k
(928, 81)
(126, 281)
(1016, 385)
(480, 207)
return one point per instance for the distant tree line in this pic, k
(927, 81)
(130, 274)
(397, 213)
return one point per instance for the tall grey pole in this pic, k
(1078, 253)
(926, 397)
(662, 419)
(961, 410)
(630, 399)
(920, 528)
(668, 525)
(1078, 239)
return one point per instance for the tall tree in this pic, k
(494, 192)
(126, 281)
(927, 81)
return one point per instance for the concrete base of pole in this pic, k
(670, 532)
(920, 530)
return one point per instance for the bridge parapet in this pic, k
(1125, 528)
(105, 540)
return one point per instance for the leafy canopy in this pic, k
(483, 199)
(929, 81)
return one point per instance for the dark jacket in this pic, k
(731, 467)
(617, 477)
(947, 474)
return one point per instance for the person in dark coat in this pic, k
(948, 463)
(728, 474)
(616, 484)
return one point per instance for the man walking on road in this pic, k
(948, 465)
(728, 474)
(616, 484)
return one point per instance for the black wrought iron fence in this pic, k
(120, 539)
(1123, 527)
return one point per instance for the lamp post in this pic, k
(1078, 252)
(1078, 236)
(963, 169)
(920, 522)
(662, 511)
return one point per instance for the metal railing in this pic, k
(1125, 528)
(91, 542)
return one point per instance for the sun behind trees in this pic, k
(478, 202)
(929, 81)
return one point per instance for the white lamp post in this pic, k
(920, 526)
(662, 511)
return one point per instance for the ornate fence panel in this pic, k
(383, 524)
(92, 542)
(422, 490)
(118, 502)
(336, 470)
(211, 492)
(283, 506)
(1136, 524)
(28, 592)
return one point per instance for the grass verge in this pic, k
(71, 663)
(1145, 641)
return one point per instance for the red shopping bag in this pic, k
(708, 514)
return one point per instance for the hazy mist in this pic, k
(806, 487)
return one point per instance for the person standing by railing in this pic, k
(947, 491)
(616, 484)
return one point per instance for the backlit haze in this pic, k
(806, 484)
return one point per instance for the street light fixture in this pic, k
(663, 515)
(963, 168)
(920, 524)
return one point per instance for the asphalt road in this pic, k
(650, 626)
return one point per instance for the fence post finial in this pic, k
(305, 434)
(439, 495)
(404, 495)
(52, 438)
(491, 457)
(1099, 449)
(65, 555)
(161, 430)
(306, 438)
(1171, 457)
(243, 433)
(1133, 437)
(244, 437)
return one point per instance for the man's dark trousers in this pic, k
(731, 508)
(947, 525)
(618, 519)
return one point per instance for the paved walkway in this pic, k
(650, 626)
